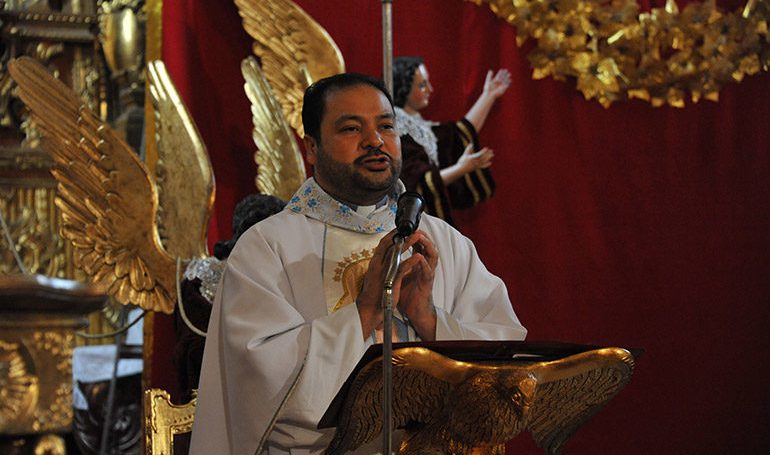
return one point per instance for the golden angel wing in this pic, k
(421, 381)
(571, 390)
(105, 193)
(281, 169)
(294, 50)
(185, 179)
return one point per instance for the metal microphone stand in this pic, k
(387, 345)
(395, 256)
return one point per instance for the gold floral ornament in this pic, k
(616, 53)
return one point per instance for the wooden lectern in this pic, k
(463, 397)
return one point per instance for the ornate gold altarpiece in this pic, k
(38, 319)
(96, 48)
(66, 40)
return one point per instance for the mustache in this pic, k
(373, 152)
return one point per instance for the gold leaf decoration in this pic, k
(293, 49)
(184, 176)
(106, 195)
(617, 52)
(280, 167)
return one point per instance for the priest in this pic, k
(300, 298)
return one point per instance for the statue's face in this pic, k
(419, 96)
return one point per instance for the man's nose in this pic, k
(373, 140)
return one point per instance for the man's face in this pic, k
(358, 159)
(419, 95)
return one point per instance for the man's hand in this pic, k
(415, 276)
(412, 287)
(369, 300)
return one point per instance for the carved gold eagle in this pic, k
(450, 406)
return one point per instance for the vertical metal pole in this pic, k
(387, 340)
(104, 445)
(387, 345)
(387, 44)
(387, 373)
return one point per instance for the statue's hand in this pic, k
(497, 85)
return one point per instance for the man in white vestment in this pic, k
(300, 298)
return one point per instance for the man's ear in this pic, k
(311, 149)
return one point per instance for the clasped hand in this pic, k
(412, 287)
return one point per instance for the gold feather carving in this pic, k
(449, 406)
(105, 193)
(293, 49)
(572, 390)
(184, 176)
(281, 169)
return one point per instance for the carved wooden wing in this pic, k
(184, 176)
(421, 381)
(294, 50)
(281, 169)
(107, 197)
(571, 390)
(456, 407)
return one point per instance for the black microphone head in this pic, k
(410, 205)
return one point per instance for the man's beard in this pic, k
(351, 183)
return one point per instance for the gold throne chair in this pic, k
(164, 420)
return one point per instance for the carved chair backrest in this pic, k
(163, 420)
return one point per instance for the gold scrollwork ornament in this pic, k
(19, 388)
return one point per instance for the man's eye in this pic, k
(350, 128)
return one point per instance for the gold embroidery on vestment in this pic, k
(350, 273)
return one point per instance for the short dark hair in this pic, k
(249, 211)
(403, 77)
(314, 102)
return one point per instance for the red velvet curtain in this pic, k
(629, 226)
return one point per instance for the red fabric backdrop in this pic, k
(631, 226)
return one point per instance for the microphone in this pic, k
(410, 205)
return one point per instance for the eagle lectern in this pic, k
(472, 397)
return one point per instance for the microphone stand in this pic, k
(395, 256)
(387, 345)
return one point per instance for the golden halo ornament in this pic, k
(664, 56)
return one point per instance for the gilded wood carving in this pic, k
(293, 49)
(281, 169)
(107, 197)
(450, 406)
(184, 175)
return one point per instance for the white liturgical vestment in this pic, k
(285, 333)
